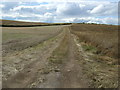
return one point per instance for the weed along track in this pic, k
(59, 60)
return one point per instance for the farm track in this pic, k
(41, 72)
(71, 73)
(67, 73)
(58, 61)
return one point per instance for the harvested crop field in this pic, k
(10, 23)
(103, 37)
(18, 38)
(62, 56)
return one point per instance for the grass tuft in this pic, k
(89, 48)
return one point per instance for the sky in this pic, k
(61, 11)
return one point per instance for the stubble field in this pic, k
(62, 56)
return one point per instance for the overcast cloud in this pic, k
(105, 12)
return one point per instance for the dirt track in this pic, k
(38, 71)
(54, 63)
(69, 73)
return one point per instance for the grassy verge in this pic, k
(101, 70)
(89, 48)
(100, 44)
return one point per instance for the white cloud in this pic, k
(69, 9)
(36, 9)
(2, 6)
(105, 9)
(84, 11)
(97, 9)
(92, 20)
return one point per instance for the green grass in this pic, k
(89, 48)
